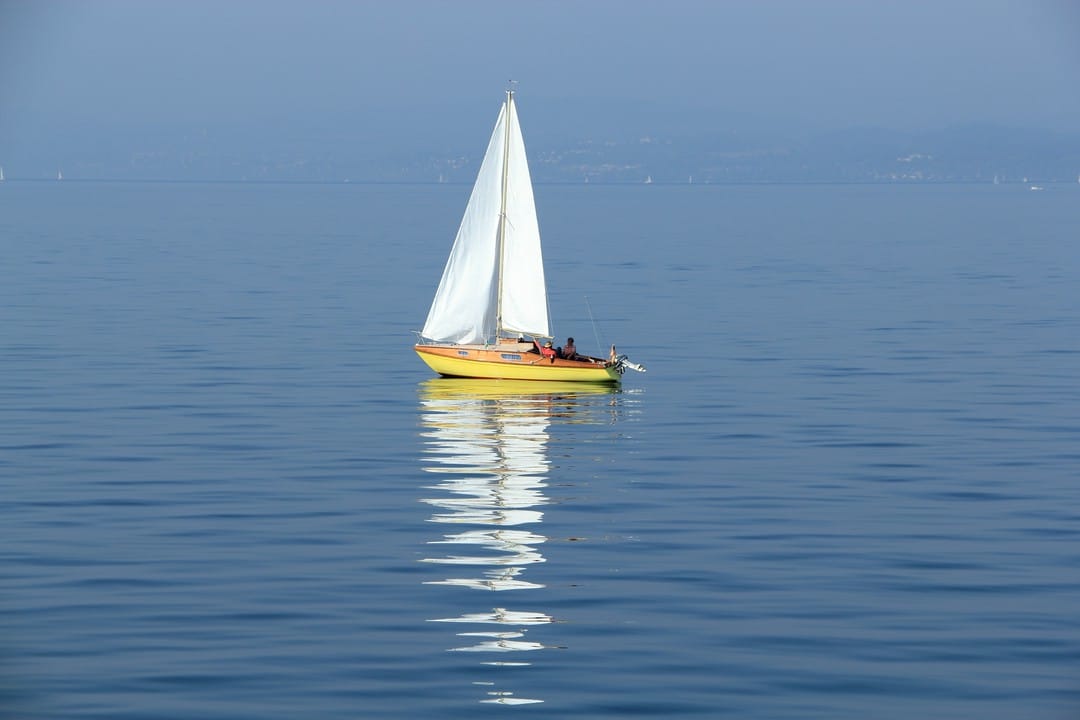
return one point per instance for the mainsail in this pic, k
(494, 278)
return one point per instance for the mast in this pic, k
(501, 241)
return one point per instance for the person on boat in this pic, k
(568, 351)
(547, 351)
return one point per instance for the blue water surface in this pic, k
(847, 487)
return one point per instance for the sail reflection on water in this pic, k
(487, 442)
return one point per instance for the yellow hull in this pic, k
(512, 363)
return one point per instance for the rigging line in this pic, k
(551, 320)
(596, 334)
(547, 303)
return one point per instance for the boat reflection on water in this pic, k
(487, 439)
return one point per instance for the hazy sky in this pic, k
(388, 71)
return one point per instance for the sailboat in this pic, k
(489, 318)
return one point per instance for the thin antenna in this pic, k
(511, 85)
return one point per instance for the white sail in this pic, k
(467, 304)
(524, 292)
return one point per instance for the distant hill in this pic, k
(961, 154)
(972, 153)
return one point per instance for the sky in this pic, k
(427, 74)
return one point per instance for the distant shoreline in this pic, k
(552, 183)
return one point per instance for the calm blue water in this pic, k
(848, 486)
